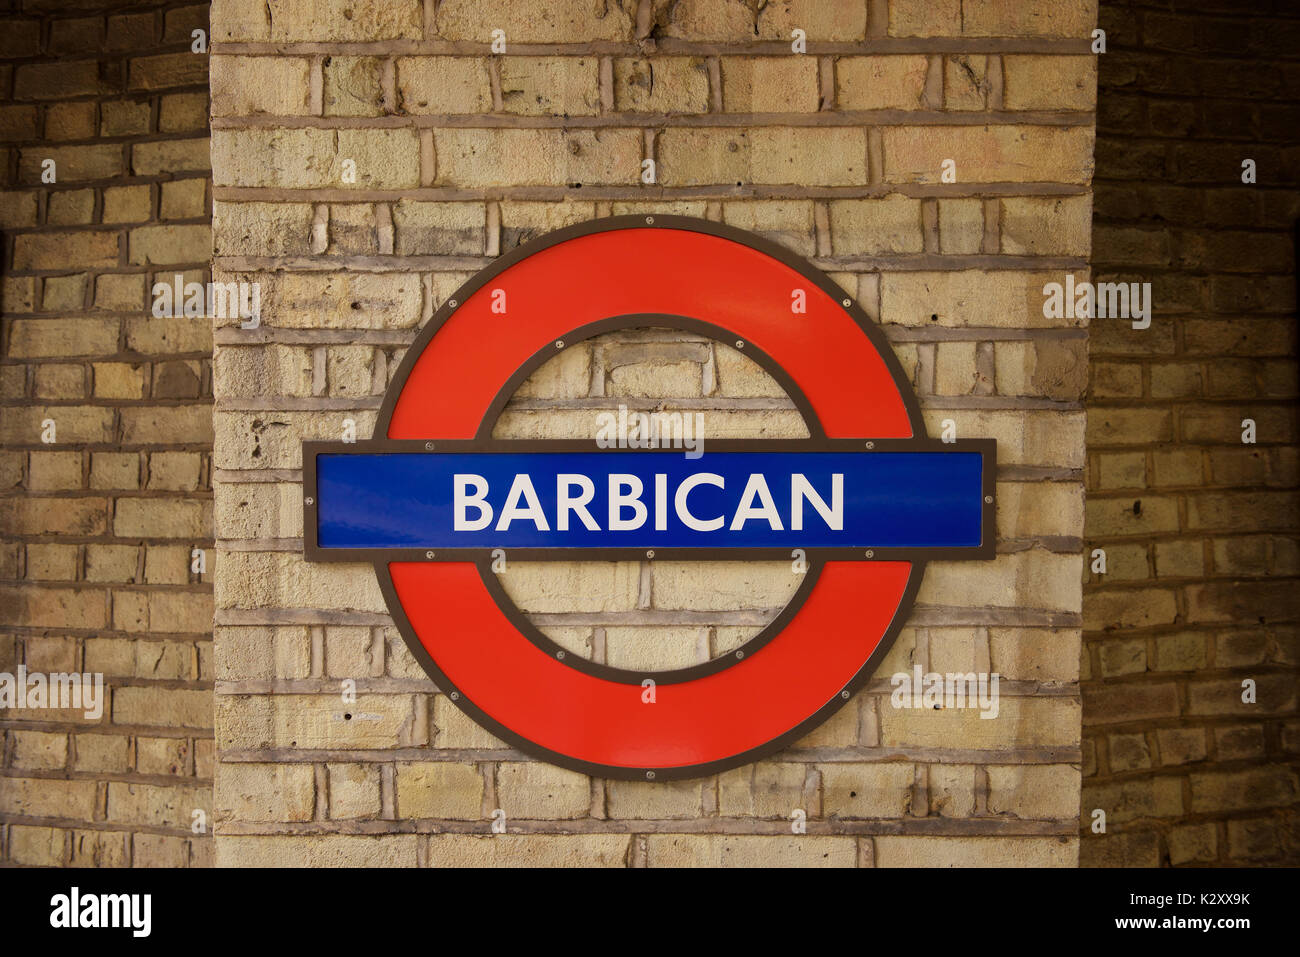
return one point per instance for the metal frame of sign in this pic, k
(383, 560)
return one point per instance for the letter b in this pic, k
(477, 500)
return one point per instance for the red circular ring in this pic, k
(580, 276)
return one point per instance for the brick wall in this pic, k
(461, 154)
(97, 527)
(1198, 528)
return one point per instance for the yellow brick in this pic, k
(1036, 18)
(1021, 723)
(171, 245)
(39, 750)
(882, 790)
(881, 82)
(655, 801)
(652, 649)
(244, 86)
(961, 226)
(1035, 792)
(988, 154)
(250, 653)
(709, 20)
(454, 729)
(952, 790)
(259, 229)
(533, 21)
(354, 791)
(317, 721)
(120, 380)
(102, 752)
(768, 789)
(1047, 225)
(331, 21)
(36, 846)
(550, 86)
(441, 84)
(770, 84)
(529, 850)
(162, 707)
(265, 370)
(30, 338)
(1039, 508)
(264, 792)
(56, 608)
(1030, 579)
(897, 851)
(439, 789)
(965, 82)
(385, 159)
(789, 223)
(841, 730)
(820, 21)
(476, 158)
(925, 18)
(1140, 798)
(803, 156)
(324, 850)
(954, 368)
(354, 86)
(47, 471)
(157, 805)
(258, 510)
(31, 797)
(660, 85)
(183, 199)
(335, 300)
(564, 376)
(868, 227)
(99, 849)
(572, 586)
(723, 585)
(243, 440)
(1049, 82)
(968, 298)
(126, 204)
(717, 850)
(530, 790)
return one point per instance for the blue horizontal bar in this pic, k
(390, 500)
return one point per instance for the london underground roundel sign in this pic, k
(867, 497)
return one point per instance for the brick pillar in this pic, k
(1198, 526)
(106, 422)
(460, 153)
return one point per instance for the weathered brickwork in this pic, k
(461, 153)
(1199, 528)
(99, 518)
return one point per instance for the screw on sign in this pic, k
(867, 498)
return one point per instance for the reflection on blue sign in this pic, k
(634, 499)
